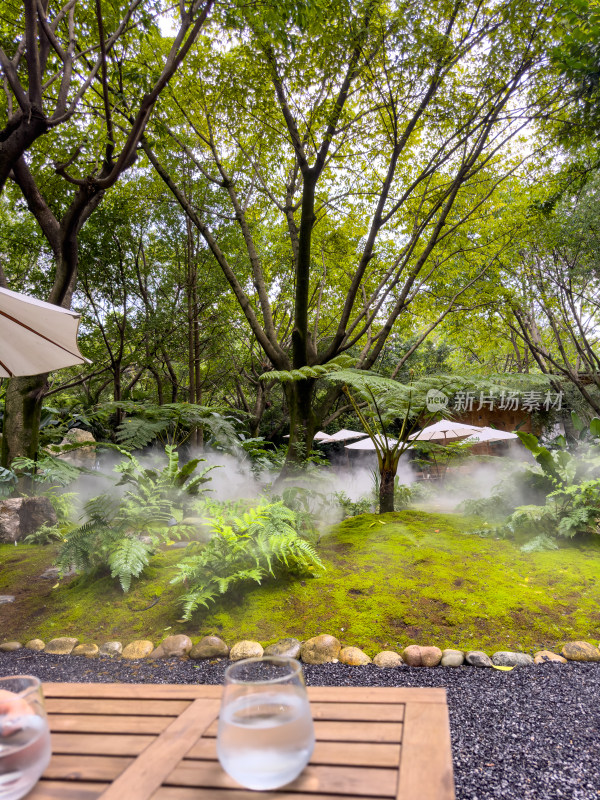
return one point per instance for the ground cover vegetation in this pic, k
(271, 226)
(388, 582)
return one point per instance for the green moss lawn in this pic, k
(391, 580)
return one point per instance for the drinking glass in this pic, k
(266, 735)
(24, 735)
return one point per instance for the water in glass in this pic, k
(266, 735)
(24, 736)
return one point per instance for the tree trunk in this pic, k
(302, 424)
(388, 466)
(386, 490)
(22, 412)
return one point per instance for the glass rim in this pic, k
(34, 686)
(281, 660)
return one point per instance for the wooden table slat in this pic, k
(88, 723)
(355, 781)
(359, 754)
(65, 790)
(348, 731)
(100, 744)
(358, 712)
(324, 694)
(158, 760)
(132, 691)
(116, 707)
(426, 766)
(185, 793)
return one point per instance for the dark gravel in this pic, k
(529, 734)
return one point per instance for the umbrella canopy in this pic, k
(319, 437)
(368, 444)
(345, 435)
(491, 435)
(445, 431)
(35, 337)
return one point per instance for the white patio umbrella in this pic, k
(487, 434)
(445, 431)
(35, 337)
(368, 444)
(319, 436)
(345, 435)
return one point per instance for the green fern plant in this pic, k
(170, 423)
(264, 541)
(121, 533)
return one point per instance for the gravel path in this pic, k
(529, 734)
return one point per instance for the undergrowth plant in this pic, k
(264, 541)
(571, 472)
(121, 533)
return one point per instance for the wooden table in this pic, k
(136, 742)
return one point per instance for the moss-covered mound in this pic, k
(391, 580)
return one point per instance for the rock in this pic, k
(505, 658)
(53, 574)
(9, 647)
(290, 648)
(354, 657)
(87, 650)
(245, 649)
(173, 647)
(35, 644)
(416, 656)
(387, 658)
(20, 516)
(140, 648)
(6, 598)
(476, 658)
(547, 656)
(580, 651)
(323, 649)
(111, 649)
(83, 456)
(62, 646)
(209, 647)
(453, 658)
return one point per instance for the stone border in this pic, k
(322, 649)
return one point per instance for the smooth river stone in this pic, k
(580, 651)
(111, 649)
(289, 648)
(388, 659)
(62, 646)
(35, 644)
(353, 657)
(417, 656)
(323, 649)
(548, 657)
(173, 647)
(140, 648)
(452, 658)
(506, 658)
(477, 658)
(246, 649)
(87, 650)
(10, 647)
(209, 647)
